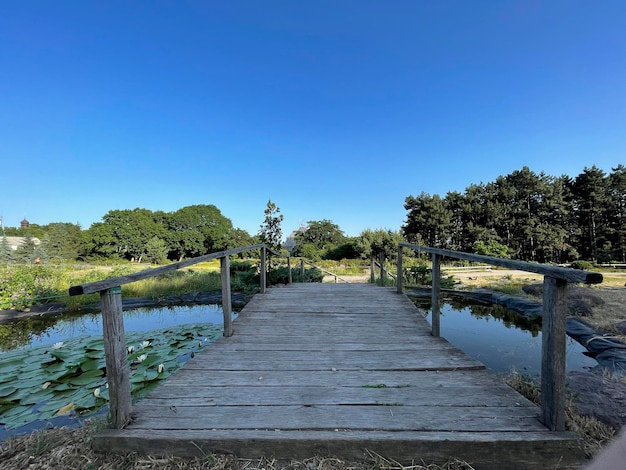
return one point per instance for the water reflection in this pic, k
(500, 338)
(33, 332)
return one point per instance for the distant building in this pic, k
(16, 242)
(24, 223)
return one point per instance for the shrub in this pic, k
(581, 264)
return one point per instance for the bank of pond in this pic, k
(52, 370)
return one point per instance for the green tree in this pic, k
(591, 203)
(62, 241)
(100, 241)
(156, 251)
(429, 218)
(6, 253)
(131, 230)
(270, 231)
(323, 234)
(371, 243)
(617, 211)
(197, 230)
(25, 253)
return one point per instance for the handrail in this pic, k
(97, 286)
(110, 290)
(553, 319)
(303, 262)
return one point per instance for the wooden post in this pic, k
(289, 280)
(382, 269)
(301, 268)
(436, 294)
(553, 353)
(227, 306)
(372, 273)
(116, 357)
(263, 270)
(399, 271)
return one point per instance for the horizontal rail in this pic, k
(557, 272)
(98, 286)
(325, 271)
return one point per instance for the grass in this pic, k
(71, 449)
(593, 433)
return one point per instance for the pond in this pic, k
(502, 340)
(166, 337)
(52, 370)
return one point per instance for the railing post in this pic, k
(301, 268)
(382, 269)
(553, 353)
(116, 357)
(289, 280)
(227, 306)
(372, 273)
(399, 271)
(263, 270)
(436, 294)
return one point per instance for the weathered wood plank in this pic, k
(373, 394)
(389, 418)
(484, 450)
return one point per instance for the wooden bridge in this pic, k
(339, 369)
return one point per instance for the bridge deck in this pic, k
(337, 369)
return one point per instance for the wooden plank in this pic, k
(389, 418)
(428, 359)
(263, 395)
(485, 450)
(445, 380)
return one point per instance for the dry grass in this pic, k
(593, 433)
(71, 449)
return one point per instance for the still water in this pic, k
(502, 340)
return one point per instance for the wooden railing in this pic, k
(553, 319)
(118, 371)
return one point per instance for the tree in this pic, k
(131, 230)
(371, 243)
(62, 241)
(591, 202)
(25, 252)
(270, 231)
(197, 230)
(156, 251)
(617, 211)
(429, 218)
(323, 234)
(6, 253)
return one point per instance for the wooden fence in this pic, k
(118, 372)
(553, 319)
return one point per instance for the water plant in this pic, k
(69, 377)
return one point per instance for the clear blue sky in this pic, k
(333, 109)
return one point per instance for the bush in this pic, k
(581, 264)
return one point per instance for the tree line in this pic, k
(528, 216)
(523, 215)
